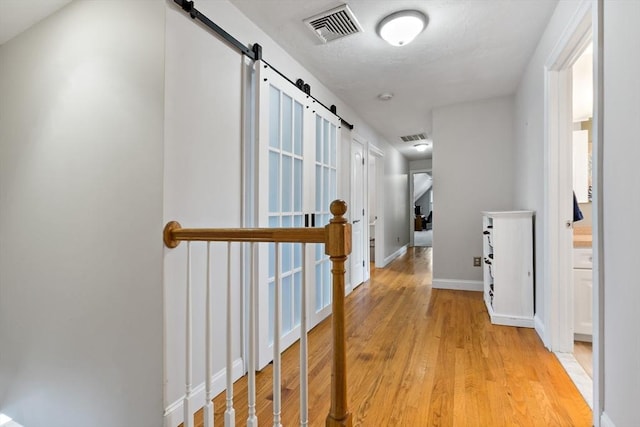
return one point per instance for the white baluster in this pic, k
(208, 407)
(276, 343)
(252, 420)
(230, 413)
(304, 391)
(188, 417)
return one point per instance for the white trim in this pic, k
(558, 299)
(558, 215)
(578, 375)
(538, 324)
(375, 150)
(605, 421)
(412, 172)
(576, 32)
(173, 413)
(599, 285)
(508, 319)
(458, 285)
(396, 254)
(585, 24)
(358, 142)
(378, 155)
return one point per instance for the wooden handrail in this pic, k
(174, 234)
(337, 239)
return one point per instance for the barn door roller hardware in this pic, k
(253, 52)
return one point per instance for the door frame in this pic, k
(412, 172)
(357, 140)
(556, 329)
(377, 154)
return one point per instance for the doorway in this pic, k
(375, 202)
(582, 147)
(559, 255)
(421, 208)
(359, 222)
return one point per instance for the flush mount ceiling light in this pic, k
(421, 147)
(400, 28)
(385, 96)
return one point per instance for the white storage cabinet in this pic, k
(508, 267)
(582, 293)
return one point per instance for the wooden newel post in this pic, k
(338, 246)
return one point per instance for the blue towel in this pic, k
(577, 213)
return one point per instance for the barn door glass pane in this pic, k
(286, 193)
(326, 191)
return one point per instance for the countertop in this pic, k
(582, 237)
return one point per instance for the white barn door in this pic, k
(296, 180)
(326, 135)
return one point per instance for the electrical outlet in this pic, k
(477, 261)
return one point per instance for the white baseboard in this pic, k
(605, 421)
(396, 254)
(539, 327)
(174, 414)
(458, 285)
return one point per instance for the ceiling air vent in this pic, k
(417, 137)
(334, 24)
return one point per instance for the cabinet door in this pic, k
(582, 289)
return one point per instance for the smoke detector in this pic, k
(334, 24)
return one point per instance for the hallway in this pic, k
(423, 357)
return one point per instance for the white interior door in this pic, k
(296, 182)
(358, 219)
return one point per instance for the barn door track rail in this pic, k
(254, 52)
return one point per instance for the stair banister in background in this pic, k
(338, 247)
(336, 237)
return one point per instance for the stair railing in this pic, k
(336, 236)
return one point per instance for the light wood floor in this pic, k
(583, 352)
(423, 357)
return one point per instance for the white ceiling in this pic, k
(471, 49)
(422, 182)
(18, 15)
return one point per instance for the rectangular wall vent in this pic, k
(417, 137)
(334, 24)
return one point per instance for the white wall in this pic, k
(621, 207)
(472, 172)
(421, 164)
(397, 203)
(529, 142)
(81, 147)
(425, 202)
(202, 188)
